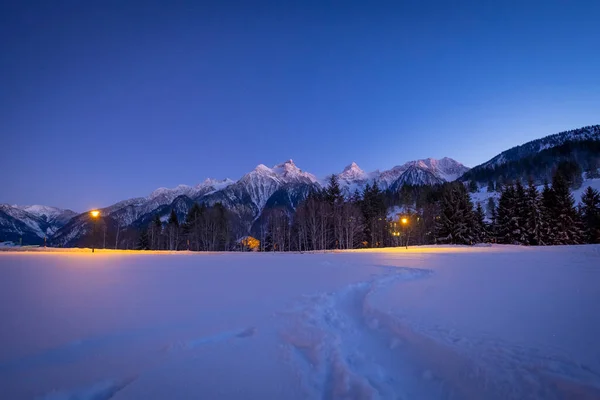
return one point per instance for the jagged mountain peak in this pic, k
(40, 210)
(416, 175)
(262, 168)
(285, 172)
(162, 191)
(286, 168)
(217, 184)
(352, 166)
(352, 172)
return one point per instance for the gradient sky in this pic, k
(106, 100)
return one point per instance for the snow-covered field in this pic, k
(496, 322)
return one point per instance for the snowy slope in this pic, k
(497, 322)
(414, 175)
(419, 172)
(50, 213)
(535, 146)
(31, 223)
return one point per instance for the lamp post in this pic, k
(405, 224)
(95, 214)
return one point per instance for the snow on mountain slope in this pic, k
(353, 173)
(415, 175)
(288, 172)
(52, 217)
(49, 212)
(20, 222)
(127, 211)
(419, 172)
(260, 184)
(31, 224)
(535, 146)
(34, 224)
(353, 178)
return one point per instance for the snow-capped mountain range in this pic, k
(283, 185)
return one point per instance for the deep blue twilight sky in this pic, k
(106, 100)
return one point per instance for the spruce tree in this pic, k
(374, 214)
(456, 224)
(333, 193)
(521, 211)
(507, 218)
(493, 216)
(156, 232)
(565, 222)
(173, 230)
(490, 186)
(548, 204)
(481, 228)
(534, 223)
(590, 213)
(143, 241)
(192, 226)
(473, 186)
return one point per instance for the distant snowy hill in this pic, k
(535, 146)
(539, 158)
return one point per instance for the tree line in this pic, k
(442, 214)
(204, 229)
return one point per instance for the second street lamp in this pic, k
(405, 224)
(95, 214)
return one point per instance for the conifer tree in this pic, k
(335, 200)
(155, 233)
(506, 225)
(143, 241)
(481, 228)
(590, 213)
(456, 224)
(333, 193)
(565, 223)
(548, 204)
(374, 214)
(492, 212)
(473, 186)
(534, 221)
(192, 226)
(520, 215)
(173, 230)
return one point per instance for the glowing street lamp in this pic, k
(404, 221)
(95, 214)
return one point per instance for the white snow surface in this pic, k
(490, 322)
